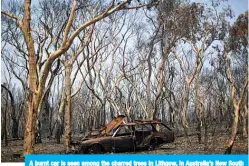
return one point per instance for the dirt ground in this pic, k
(215, 145)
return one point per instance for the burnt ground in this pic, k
(215, 145)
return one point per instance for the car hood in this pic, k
(113, 124)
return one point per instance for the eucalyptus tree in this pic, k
(235, 52)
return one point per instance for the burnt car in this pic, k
(127, 137)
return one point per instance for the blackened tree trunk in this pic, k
(4, 124)
(2, 129)
(14, 131)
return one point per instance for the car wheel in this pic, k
(95, 149)
(153, 144)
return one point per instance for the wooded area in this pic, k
(71, 66)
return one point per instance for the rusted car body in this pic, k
(126, 137)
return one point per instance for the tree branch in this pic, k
(11, 15)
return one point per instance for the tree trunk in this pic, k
(234, 130)
(51, 127)
(14, 132)
(148, 87)
(185, 109)
(198, 110)
(5, 121)
(245, 121)
(31, 115)
(94, 113)
(103, 117)
(199, 132)
(68, 106)
(45, 115)
(171, 117)
(14, 128)
(160, 77)
(60, 119)
(236, 106)
(205, 134)
(2, 129)
(163, 111)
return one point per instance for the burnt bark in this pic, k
(233, 131)
(4, 124)
(14, 131)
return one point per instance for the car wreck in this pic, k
(118, 136)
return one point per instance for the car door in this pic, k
(142, 134)
(123, 139)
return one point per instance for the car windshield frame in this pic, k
(116, 132)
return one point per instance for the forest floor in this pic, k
(215, 145)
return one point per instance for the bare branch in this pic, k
(11, 15)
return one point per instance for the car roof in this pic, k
(140, 123)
